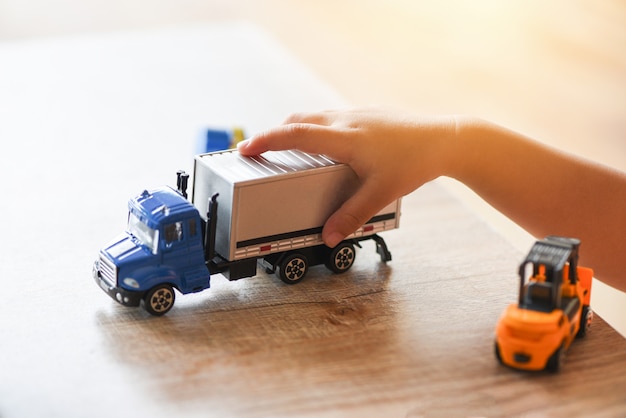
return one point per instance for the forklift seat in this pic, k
(539, 296)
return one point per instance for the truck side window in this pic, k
(173, 232)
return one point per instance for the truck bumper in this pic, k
(123, 296)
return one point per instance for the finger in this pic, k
(354, 213)
(302, 136)
(324, 118)
(311, 138)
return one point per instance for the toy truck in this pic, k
(244, 211)
(553, 307)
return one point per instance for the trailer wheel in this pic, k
(292, 268)
(341, 258)
(159, 300)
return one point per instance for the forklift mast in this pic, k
(551, 255)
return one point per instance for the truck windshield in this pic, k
(143, 233)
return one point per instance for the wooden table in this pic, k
(88, 122)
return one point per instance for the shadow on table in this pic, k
(257, 338)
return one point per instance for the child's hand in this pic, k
(392, 154)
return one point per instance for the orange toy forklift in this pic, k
(553, 307)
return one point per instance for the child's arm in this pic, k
(545, 191)
(548, 192)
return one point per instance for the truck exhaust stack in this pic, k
(182, 179)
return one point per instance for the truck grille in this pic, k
(108, 271)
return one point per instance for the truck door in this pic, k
(182, 251)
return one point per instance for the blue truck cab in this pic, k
(161, 250)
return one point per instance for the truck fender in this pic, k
(159, 276)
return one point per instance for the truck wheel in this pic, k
(555, 360)
(341, 258)
(586, 317)
(159, 300)
(293, 268)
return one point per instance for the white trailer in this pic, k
(272, 208)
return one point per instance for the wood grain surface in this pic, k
(413, 337)
(89, 121)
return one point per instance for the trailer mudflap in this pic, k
(381, 248)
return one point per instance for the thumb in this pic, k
(353, 214)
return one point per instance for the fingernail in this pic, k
(243, 144)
